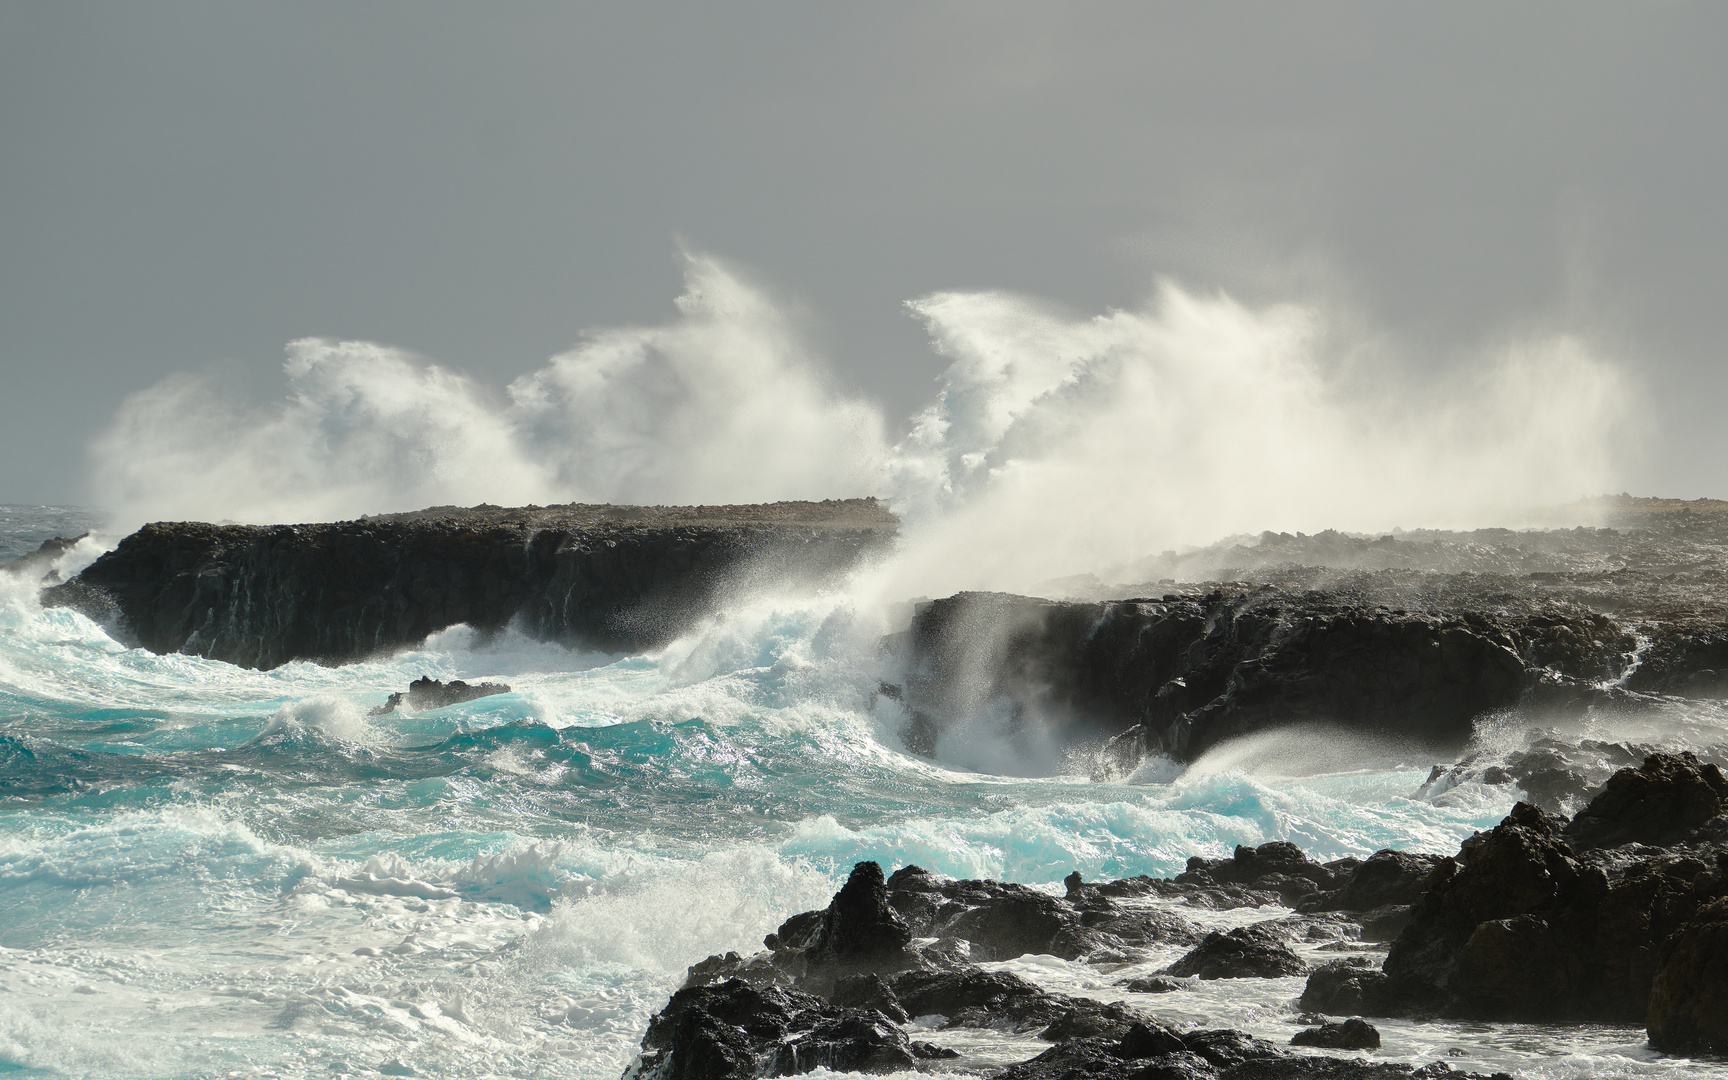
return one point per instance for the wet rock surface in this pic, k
(1352, 1034)
(839, 987)
(607, 578)
(1520, 925)
(428, 693)
(1247, 952)
(1411, 643)
(38, 565)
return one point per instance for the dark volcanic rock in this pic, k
(1182, 674)
(1247, 952)
(1352, 1034)
(1518, 927)
(35, 565)
(1342, 987)
(999, 920)
(595, 577)
(858, 933)
(1278, 867)
(1386, 878)
(727, 1031)
(429, 693)
(1664, 801)
(1688, 1011)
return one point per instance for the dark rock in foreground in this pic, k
(1689, 995)
(608, 578)
(429, 693)
(1352, 1034)
(1519, 926)
(1247, 952)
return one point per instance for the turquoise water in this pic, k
(207, 871)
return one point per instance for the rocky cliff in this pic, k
(609, 578)
(1415, 652)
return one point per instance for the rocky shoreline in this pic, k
(602, 578)
(1619, 914)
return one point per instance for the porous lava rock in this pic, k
(1385, 879)
(428, 693)
(1688, 1011)
(1519, 927)
(1247, 952)
(1664, 801)
(727, 1031)
(606, 578)
(1353, 1034)
(1278, 867)
(996, 920)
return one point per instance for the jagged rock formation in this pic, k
(1180, 674)
(428, 693)
(1536, 921)
(837, 987)
(1409, 638)
(39, 564)
(609, 578)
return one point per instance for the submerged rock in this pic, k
(428, 693)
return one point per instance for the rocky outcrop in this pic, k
(38, 565)
(1664, 801)
(1180, 674)
(730, 1030)
(1353, 1034)
(1688, 1011)
(428, 693)
(1247, 952)
(614, 579)
(1521, 926)
(838, 988)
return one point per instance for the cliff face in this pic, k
(604, 578)
(1182, 673)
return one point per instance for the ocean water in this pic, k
(213, 872)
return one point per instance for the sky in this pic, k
(187, 188)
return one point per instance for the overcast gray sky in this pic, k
(186, 187)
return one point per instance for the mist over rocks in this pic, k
(604, 578)
(1412, 650)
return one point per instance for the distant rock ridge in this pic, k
(1406, 655)
(604, 578)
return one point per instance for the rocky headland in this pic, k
(604, 578)
(1619, 914)
(1415, 649)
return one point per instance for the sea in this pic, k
(208, 871)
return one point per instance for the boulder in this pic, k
(1688, 1011)
(1278, 867)
(1247, 952)
(1662, 802)
(859, 933)
(726, 1031)
(1352, 1034)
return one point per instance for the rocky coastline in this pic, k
(1417, 653)
(1619, 914)
(602, 578)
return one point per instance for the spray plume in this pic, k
(1054, 445)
